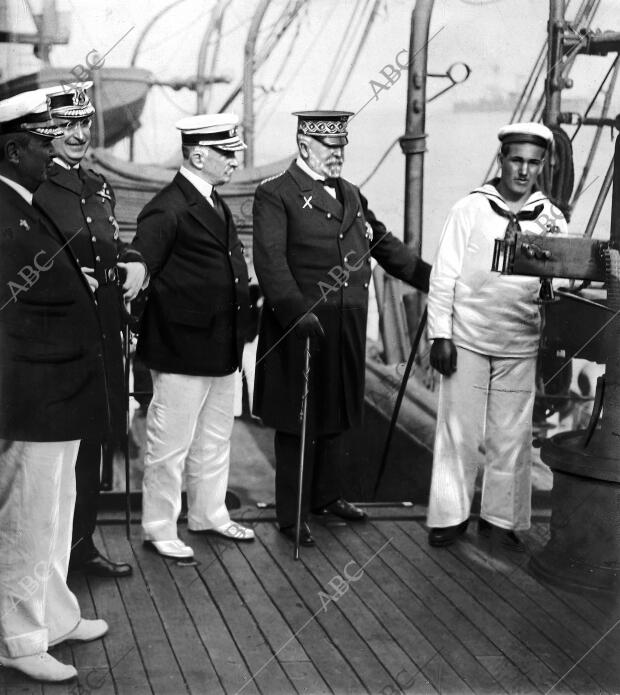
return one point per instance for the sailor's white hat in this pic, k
(217, 130)
(28, 112)
(536, 133)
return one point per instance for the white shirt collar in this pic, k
(306, 169)
(18, 188)
(203, 186)
(65, 165)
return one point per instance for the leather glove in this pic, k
(443, 356)
(309, 326)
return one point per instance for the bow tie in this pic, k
(514, 218)
(330, 181)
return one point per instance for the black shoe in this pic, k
(343, 509)
(440, 537)
(305, 537)
(100, 566)
(505, 537)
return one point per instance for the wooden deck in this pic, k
(408, 618)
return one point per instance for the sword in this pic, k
(302, 451)
(126, 347)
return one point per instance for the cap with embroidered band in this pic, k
(218, 130)
(70, 103)
(535, 133)
(329, 127)
(28, 112)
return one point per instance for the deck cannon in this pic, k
(583, 552)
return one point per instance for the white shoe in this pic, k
(235, 531)
(175, 548)
(41, 667)
(84, 631)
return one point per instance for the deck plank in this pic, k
(447, 580)
(404, 632)
(370, 670)
(531, 636)
(274, 627)
(498, 573)
(337, 590)
(334, 668)
(385, 574)
(90, 658)
(194, 663)
(249, 620)
(262, 670)
(160, 663)
(422, 581)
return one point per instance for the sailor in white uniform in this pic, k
(485, 329)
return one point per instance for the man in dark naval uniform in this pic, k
(52, 394)
(81, 204)
(314, 237)
(192, 337)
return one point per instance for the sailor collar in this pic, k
(488, 190)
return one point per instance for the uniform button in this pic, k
(98, 259)
(93, 238)
(365, 285)
(89, 219)
(230, 253)
(341, 236)
(83, 201)
(236, 281)
(359, 214)
(329, 215)
(346, 284)
(104, 336)
(238, 307)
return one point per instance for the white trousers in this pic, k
(188, 427)
(484, 416)
(37, 497)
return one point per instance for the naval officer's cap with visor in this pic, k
(28, 112)
(218, 131)
(328, 127)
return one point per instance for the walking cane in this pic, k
(302, 452)
(399, 400)
(126, 347)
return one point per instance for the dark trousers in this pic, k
(87, 484)
(321, 474)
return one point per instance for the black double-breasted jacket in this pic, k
(81, 204)
(196, 315)
(52, 374)
(312, 252)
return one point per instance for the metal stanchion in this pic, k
(399, 400)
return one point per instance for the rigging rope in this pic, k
(558, 175)
(364, 37)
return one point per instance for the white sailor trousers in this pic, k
(188, 426)
(37, 498)
(484, 418)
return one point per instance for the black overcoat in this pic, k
(196, 316)
(81, 204)
(52, 375)
(313, 253)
